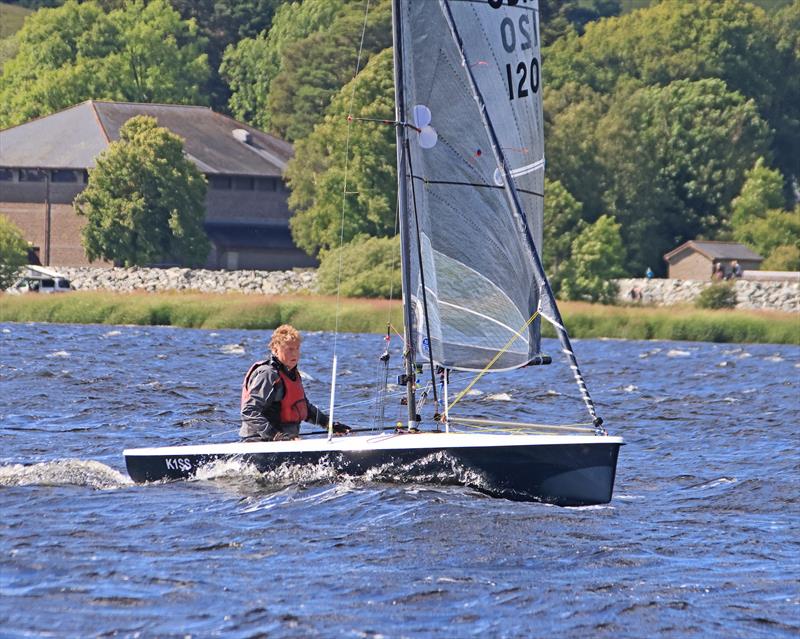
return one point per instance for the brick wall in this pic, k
(23, 204)
(690, 265)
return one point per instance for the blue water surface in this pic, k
(700, 540)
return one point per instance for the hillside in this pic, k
(11, 18)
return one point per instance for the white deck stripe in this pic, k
(385, 441)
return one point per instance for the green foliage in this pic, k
(673, 40)
(141, 52)
(717, 296)
(13, 252)
(731, 40)
(250, 65)
(8, 49)
(314, 69)
(145, 202)
(783, 258)
(317, 173)
(775, 229)
(558, 18)
(221, 24)
(369, 266)
(562, 224)
(784, 107)
(597, 256)
(665, 161)
(681, 150)
(762, 190)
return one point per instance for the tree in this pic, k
(316, 175)
(572, 144)
(562, 224)
(13, 252)
(223, 23)
(762, 190)
(557, 18)
(250, 65)
(145, 202)
(771, 231)
(364, 267)
(674, 158)
(784, 113)
(314, 69)
(731, 40)
(596, 260)
(141, 52)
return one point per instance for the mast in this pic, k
(516, 207)
(402, 201)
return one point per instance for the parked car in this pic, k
(30, 284)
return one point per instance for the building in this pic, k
(44, 164)
(696, 259)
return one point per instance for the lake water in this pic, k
(700, 540)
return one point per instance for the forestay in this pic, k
(481, 284)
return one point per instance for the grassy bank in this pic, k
(198, 310)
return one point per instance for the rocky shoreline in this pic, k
(183, 279)
(758, 295)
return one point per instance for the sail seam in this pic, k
(427, 181)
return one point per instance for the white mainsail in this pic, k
(466, 242)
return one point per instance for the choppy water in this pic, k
(701, 539)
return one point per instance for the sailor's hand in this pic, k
(284, 437)
(341, 429)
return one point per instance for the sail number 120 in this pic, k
(523, 79)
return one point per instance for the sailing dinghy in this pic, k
(470, 164)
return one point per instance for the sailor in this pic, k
(273, 400)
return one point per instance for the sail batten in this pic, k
(481, 285)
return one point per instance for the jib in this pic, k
(179, 463)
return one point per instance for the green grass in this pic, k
(200, 310)
(11, 18)
(682, 323)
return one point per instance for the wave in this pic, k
(438, 468)
(64, 472)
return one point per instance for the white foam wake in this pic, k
(63, 472)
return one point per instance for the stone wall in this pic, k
(782, 296)
(184, 279)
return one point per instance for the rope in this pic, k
(494, 359)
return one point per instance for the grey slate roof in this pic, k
(717, 251)
(72, 138)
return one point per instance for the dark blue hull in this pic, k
(569, 474)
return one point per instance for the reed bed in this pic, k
(318, 313)
(201, 310)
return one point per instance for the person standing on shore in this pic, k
(273, 402)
